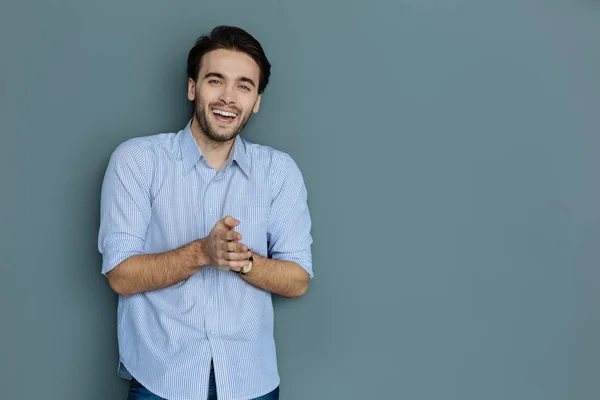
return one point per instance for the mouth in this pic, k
(223, 116)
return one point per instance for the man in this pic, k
(197, 229)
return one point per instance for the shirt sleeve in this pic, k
(289, 225)
(124, 206)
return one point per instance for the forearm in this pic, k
(145, 272)
(285, 278)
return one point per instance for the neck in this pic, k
(216, 152)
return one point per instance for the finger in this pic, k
(235, 247)
(230, 222)
(230, 235)
(234, 256)
(237, 265)
(232, 264)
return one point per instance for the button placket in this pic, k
(206, 208)
(209, 208)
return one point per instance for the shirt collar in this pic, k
(240, 155)
(191, 153)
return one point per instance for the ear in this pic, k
(191, 89)
(257, 104)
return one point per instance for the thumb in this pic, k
(230, 222)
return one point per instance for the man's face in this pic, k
(225, 93)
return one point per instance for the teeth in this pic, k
(225, 113)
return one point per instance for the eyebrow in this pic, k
(220, 76)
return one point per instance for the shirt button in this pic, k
(210, 211)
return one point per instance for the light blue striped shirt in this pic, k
(159, 194)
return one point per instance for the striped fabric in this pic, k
(159, 194)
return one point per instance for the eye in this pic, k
(244, 87)
(214, 81)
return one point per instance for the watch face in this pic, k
(247, 268)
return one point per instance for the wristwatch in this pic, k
(247, 268)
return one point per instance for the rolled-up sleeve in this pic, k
(125, 207)
(289, 227)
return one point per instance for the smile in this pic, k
(224, 113)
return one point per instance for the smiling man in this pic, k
(198, 228)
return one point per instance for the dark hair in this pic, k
(229, 38)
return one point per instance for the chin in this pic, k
(223, 136)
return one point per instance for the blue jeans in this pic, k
(139, 392)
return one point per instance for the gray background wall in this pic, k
(450, 153)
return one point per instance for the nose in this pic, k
(227, 94)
